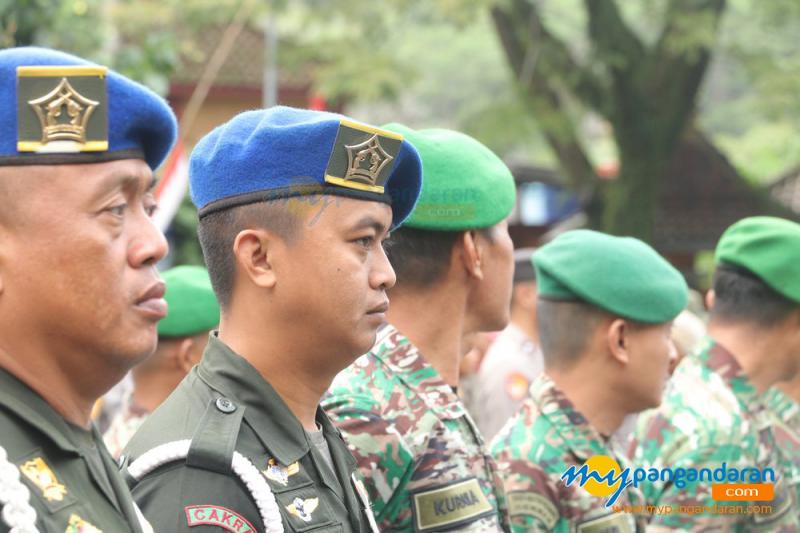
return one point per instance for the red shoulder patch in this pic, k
(215, 515)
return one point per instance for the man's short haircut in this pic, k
(421, 257)
(565, 328)
(217, 233)
(741, 297)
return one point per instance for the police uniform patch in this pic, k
(77, 524)
(449, 506)
(517, 386)
(279, 473)
(362, 157)
(37, 471)
(612, 523)
(303, 508)
(215, 515)
(62, 109)
(535, 505)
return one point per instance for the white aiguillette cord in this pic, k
(242, 467)
(18, 514)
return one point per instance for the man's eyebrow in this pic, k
(368, 221)
(125, 181)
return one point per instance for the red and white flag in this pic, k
(172, 187)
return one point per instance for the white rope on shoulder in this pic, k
(253, 479)
(18, 514)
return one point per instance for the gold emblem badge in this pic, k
(279, 473)
(63, 113)
(303, 508)
(362, 156)
(62, 109)
(366, 160)
(40, 474)
(79, 525)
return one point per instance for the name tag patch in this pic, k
(532, 504)
(450, 505)
(214, 515)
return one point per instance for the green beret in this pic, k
(621, 275)
(193, 308)
(465, 185)
(768, 247)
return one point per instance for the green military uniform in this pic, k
(625, 278)
(418, 449)
(226, 408)
(545, 438)
(60, 110)
(711, 414)
(64, 472)
(786, 429)
(422, 457)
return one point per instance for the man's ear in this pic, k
(184, 359)
(711, 297)
(253, 249)
(618, 340)
(471, 254)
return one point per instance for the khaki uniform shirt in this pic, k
(224, 405)
(73, 482)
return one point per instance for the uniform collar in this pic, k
(32, 408)
(280, 431)
(576, 432)
(395, 351)
(719, 360)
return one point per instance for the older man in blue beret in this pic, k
(295, 206)
(80, 297)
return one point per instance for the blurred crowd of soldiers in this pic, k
(365, 350)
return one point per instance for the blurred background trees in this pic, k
(607, 93)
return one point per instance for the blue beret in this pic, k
(282, 152)
(129, 120)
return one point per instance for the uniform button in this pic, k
(225, 405)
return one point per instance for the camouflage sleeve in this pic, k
(661, 445)
(384, 458)
(533, 501)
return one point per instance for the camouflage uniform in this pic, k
(424, 462)
(546, 437)
(786, 428)
(711, 413)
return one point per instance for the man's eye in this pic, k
(118, 210)
(366, 242)
(151, 209)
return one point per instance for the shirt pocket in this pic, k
(306, 509)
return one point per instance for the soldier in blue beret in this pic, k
(294, 210)
(80, 297)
